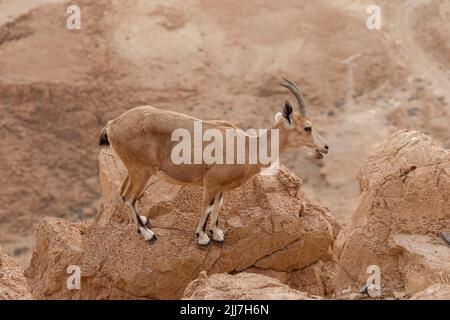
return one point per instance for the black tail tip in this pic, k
(104, 139)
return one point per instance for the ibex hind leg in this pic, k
(200, 233)
(214, 230)
(148, 234)
(134, 189)
(124, 186)
(208, 205)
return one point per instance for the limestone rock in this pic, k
(405, 188)
(423, 261)
(242, 286)
(268, 224)
(434, 292)
(13, 285)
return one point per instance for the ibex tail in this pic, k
(104, 136)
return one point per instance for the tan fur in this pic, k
(141, 137)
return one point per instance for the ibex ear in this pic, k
(287, 111)
(286, 115)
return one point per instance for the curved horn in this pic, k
(298, 95)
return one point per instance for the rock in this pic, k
(434, 292)
(355, 296)
(423, 261)
(346, 291)
(399, 295)
(316, 279)
(264, 230)
(405, 189)
(13, 285)
(242, 286)
(446, 237)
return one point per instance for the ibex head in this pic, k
(301, 130)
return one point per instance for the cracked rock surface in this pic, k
(269, 225)
(243, 286)
(404, 208)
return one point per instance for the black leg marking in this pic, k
(140, 223)
(139, 220)
(220, 199)
(206, 221)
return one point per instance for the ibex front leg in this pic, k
(207, 209)
(215, 232)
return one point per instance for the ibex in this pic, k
(141, 137)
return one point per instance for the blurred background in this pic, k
(214, 60)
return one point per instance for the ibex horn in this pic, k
(298, 95)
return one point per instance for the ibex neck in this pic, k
(275, 141)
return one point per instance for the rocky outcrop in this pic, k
(242, 286)
(13, 285)
(404, 208)
(269, 226)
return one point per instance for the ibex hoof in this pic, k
(148, 234)
(204, 243)
(203, 239)
(217, 236)
(145, 220)
(152, 240)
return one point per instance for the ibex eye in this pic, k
(308, 129)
